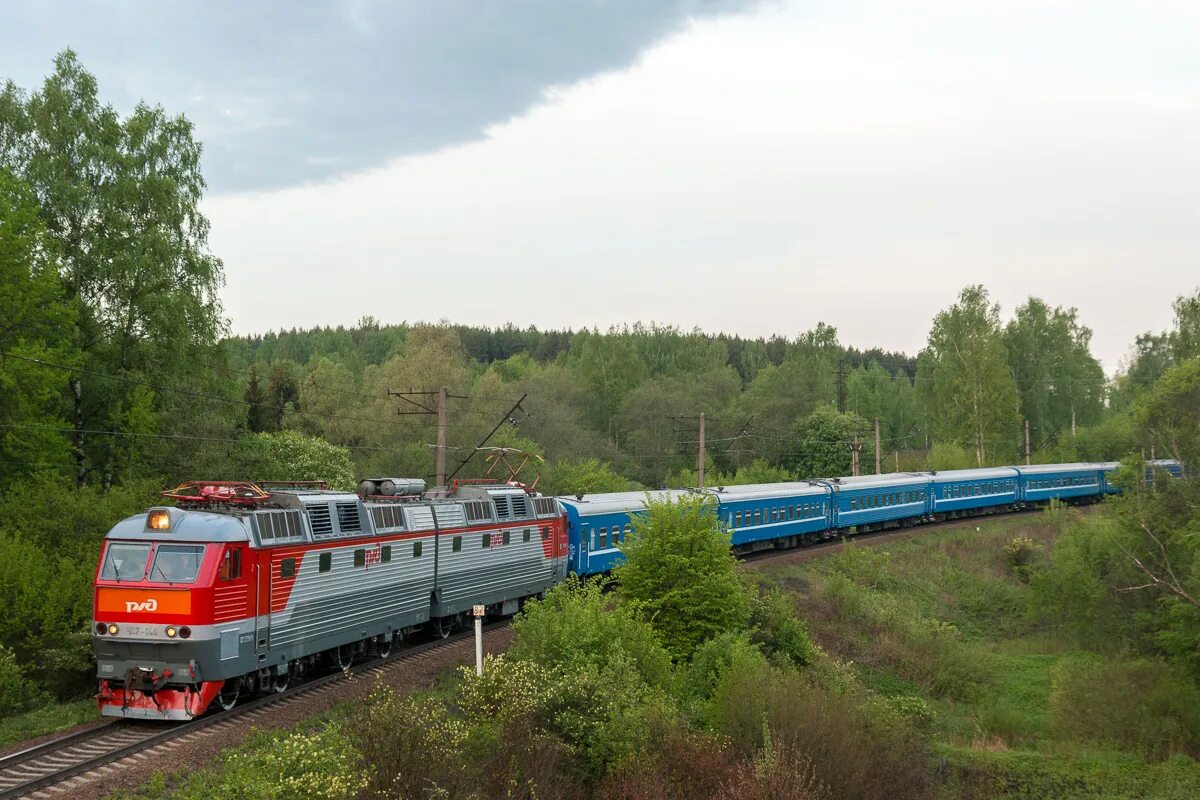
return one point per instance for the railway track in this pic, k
(56, 767)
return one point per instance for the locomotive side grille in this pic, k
(545, 506)
(520, 508)
(502, 509)
(318, 518)
(478, 511)
(278, 526)
(387, 517)
(347, 514)
(450, 515)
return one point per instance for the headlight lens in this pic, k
(185, 632)
(101, 628)
(159, 520)
(171, 631)
(113, 630)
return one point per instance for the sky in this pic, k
(747, 167)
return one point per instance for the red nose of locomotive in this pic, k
(157, 649)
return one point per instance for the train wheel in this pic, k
(281, 682)
(444, 626)
(230, 693)
(345, 657)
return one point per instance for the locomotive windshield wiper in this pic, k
(108, 560)
(160, 572)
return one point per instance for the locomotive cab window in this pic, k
(176, 563)
(125, 562)
(231, 565)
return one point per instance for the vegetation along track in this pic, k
(55, 767)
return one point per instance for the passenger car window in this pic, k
(125, 562)
(177, 563)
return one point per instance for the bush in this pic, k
(778, 630)
(16, 693)
(413, 746)
(318, 765)
(946, 456)
(577, 628)
(1145, 706)
(858, 748)
(679, 575)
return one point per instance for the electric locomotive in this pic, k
(240, 588)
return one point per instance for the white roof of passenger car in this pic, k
(615, 502)
(985, 473)
(765, 491)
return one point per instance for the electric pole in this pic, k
(841, 386)
(1027, 443)
(855, 450)
(440, 412)
(878, 451)
(700, 462)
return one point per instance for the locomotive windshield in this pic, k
(176, 563)
(124, 561)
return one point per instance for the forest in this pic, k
(119, 376)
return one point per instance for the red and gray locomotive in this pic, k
(241, 587)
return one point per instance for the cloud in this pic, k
(283, 93)
(853, 163)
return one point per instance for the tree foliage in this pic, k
(964, 378)
(679, 575)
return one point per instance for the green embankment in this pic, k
(947, 625)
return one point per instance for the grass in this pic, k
(48, 719)
(945, 620)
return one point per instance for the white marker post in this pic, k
(479, 613)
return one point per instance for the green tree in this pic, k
(964, 379)
(35, 317)
(679, 575)
(586, 476)
(120, 199)
(1061, 385)
(823, 442)
(1185, 339)
(292, 456)
(1168, 416)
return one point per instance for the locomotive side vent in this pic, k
(278, 526)
(520, 508)
(318, 518)
(348, 520)
(502, 509)
(387, 517)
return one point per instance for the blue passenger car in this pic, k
(1044, 482)
(598, 523)
(876, 501)
(774, 514)
(953, 492)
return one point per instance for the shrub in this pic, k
(577, 628)
(858, 748)
(16, 693)
(413, 746)
(776, 628)
(1145, 706)
(321, 765)
(1022, 553)
(679, 575)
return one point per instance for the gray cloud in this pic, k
(283, 93)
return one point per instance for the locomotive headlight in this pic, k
(171, 631)
(159, 520)
(101, 628)
(185, 632)
(113, 630)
